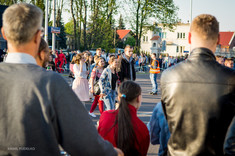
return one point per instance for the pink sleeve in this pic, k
(93, 74)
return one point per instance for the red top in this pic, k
(107, 119)
(62, 58)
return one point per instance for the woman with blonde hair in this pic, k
(80, 84)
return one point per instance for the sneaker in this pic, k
(154, 93)
(151, 93)
(92, 114)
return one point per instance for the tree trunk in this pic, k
(74, 25)
(84, 25)
(137, 27)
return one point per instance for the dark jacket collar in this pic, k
(202, 54)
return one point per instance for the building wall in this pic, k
(177, 41)
(146, 43)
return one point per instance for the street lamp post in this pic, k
(53, 34)
(191, 10)
(46, 22)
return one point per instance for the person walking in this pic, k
(122, 127)
(62, 61)
(95, 75)
(126, 65)
(39, 111)
(108, 82)
(154, 70)
(198, 95)
(80, 84)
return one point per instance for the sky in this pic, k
(223, 10)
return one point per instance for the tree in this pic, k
(121, 23)
(162, 10)
(130, 41)
(69, 28)
(10, 2)
(101, 25)
(74, 23)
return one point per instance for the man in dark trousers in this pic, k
(198, 95)
(38, 108)
(127, 65)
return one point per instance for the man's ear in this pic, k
(218, 39)
(37, 37)
(3, 34)
(189, 37)
(42, 55)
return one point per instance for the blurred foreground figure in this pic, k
(198, 95)
(38, 110)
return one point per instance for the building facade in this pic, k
(173, 43)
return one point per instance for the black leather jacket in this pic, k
(124, 66)
(198, 98)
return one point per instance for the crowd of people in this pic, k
(42, 115)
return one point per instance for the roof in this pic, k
(155, 38)
(122, 33)
(226, 38)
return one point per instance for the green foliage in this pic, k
(130, 41)
(69, 28)
(121, 23)
(10, 2)
(62, 37)
(112, 50)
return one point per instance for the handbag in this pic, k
(96, 86)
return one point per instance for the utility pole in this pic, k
(54, 18)
(115, 31)
(46, 22)
(191, 10)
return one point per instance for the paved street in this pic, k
(148, 103)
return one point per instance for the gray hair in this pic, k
(21, 22)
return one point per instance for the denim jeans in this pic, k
(153, 78)
(109, 100)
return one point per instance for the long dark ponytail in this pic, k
(128, 91)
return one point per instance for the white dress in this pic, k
(80, 84)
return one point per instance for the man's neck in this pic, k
(26, 48)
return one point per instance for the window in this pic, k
(180, 49)
(154, 44)
(143, 38)
(181, 35)
(146, 38)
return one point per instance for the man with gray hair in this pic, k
(36, 114)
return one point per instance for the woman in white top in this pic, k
(80, 84)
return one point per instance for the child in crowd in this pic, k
(122, 127)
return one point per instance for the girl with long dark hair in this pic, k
(122, 127)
